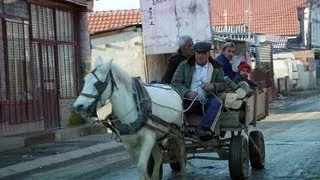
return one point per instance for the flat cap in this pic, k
(202, 47)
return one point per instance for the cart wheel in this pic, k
(150, 167)
(257, 156)
(238, 157)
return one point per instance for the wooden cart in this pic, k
(240, 147)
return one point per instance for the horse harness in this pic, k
(143, 102)
(145, 117)
(141, 97)
(101, 86)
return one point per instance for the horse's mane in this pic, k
(121, 75)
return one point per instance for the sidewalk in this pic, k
(24, 140)
(26, 152)
(282, 101)
(25, 159)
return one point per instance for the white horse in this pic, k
(109, 81)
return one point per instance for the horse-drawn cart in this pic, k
(160, 135)
(238, 147)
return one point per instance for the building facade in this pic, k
(43, 44)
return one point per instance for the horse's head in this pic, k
(99, 85)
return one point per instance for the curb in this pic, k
(14, 142)
(59, 158)
(8, 143)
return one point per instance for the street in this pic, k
(86, 85)
(292, 140)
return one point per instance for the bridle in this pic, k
(100, 86)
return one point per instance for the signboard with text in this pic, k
(164, 21)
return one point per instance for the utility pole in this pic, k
(225, 14)
(309, 32)
(249, 21)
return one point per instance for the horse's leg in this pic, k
(148, 140)
(157, 156)
(181, 155)
(131, 144)
(132, 150)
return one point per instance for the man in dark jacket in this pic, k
(184, 52)
(196, 79)
(227, 53)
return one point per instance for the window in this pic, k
(17, 8)
(42, 22)
(46, 22)
(66, 53)
(48, 66)
(65, 31)
(19, 64)
(67, 70)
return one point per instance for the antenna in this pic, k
(225, 14)
(249, 22)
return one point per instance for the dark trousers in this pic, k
(211, 109)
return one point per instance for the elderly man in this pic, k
(185, 51)
(196, 79)
(227, 53)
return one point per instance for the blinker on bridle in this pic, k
(101, 86)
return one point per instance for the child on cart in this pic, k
(242, 75)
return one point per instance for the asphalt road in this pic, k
(292, 139)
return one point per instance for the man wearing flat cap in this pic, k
(196, 79)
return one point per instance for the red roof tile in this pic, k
(276, 17)
(115, 19)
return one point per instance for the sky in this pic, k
(104, 5)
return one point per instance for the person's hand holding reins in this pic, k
(207, 86)
(191, 95)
